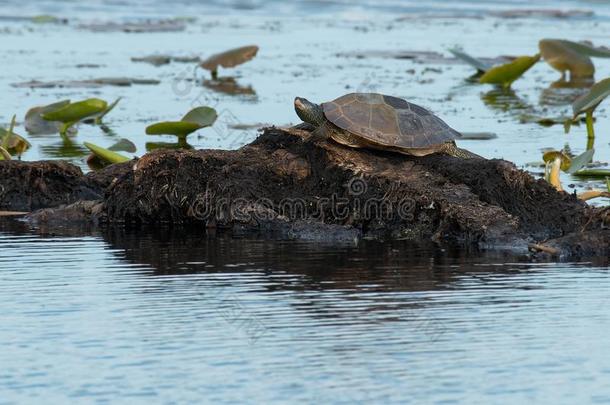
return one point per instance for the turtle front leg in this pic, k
(319, 134)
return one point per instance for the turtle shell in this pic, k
(388, 121)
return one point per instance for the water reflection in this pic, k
(564, 92)
(229, 85)
(180, 314)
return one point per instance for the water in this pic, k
(166, 317)
(303, 48)
(145, 317)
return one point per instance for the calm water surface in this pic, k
(141, 318)
(120, 317)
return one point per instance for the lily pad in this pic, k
(588, 102)
(106, 155)
(507, 73)
(230, 58)
(74, 112)
(12, 143)
(565, 56)
(195, 119)
(581, 161)
(4, 155)
(36, 125)
(594, 173)
(478, 136)
(97, 118)
(89, 83)
(480, 65)
(155, 60)
(171, 25)
(123, 145)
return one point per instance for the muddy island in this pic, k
(288, 184)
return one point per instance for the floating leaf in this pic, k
(230, 58)
(48, 19)
(106, 154)
(195, 119)
(567, 56)
(204, 116)
(97, 118)
(608, 183)
(479, 136)
(597, 173)
(588, 102)
(590, 194)
(11, 142)
(16, 144)
(580, 161)
(4, 155)
(35, 124)
(155, 60)
(478, 64)
(123, 145)
(507, 73)
(75, 112)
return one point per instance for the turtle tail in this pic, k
(451, 149)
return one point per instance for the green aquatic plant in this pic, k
(36, 125)
(580, 161)
(72, 113)
(504, 75)
(97, 119)
(195, 119)
(587, 103)
(554, 162)
(480, 65)
(103, 155)
(12, 143)
(590, 194)
(98, 161)
(574, 57)
(230, 58)
(593, 173)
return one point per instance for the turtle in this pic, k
(382, 122)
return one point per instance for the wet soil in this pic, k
(290, 185)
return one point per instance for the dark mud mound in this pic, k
(27, 186)
(288, 184)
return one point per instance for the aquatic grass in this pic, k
(194, 120)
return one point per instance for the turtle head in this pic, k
(309, 112)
